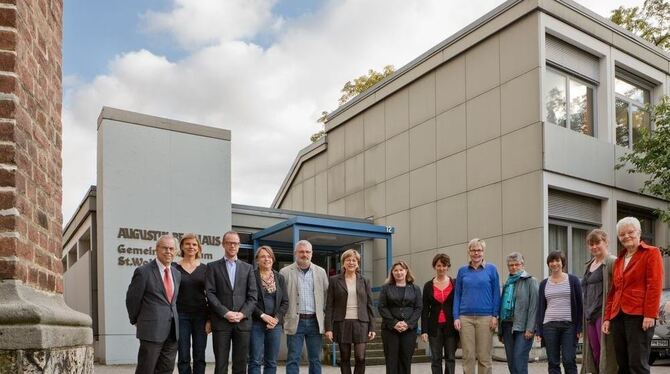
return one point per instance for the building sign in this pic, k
(130, 255)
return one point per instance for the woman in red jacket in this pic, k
(634, 299)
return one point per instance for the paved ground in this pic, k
(661, 367)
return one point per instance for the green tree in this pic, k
(651, 156)
(651, 22)
(353, 88)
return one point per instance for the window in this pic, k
(647, 220)
(569, 101)
(631, 117)
(570, 238)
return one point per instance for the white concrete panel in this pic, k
(152, 181)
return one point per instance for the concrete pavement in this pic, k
(661, 367)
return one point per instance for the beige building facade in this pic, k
(509, 131)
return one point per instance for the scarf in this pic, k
(508, 297)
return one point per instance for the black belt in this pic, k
(307, 316)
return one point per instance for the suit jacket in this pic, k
(291, 274)
(222, 298)
(637, 289)
(400, 304)
(431, 310)
(336, 301)
(281, 297)
(147, 304)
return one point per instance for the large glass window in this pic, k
(569, 101)
(631, 117)
(570, 238)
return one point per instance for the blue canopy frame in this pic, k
(303, 224)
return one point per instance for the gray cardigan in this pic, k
(525, 304)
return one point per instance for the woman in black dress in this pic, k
(192, 307)
(349, 317)
(400, 306)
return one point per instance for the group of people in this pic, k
(614, 304)
(174, 306)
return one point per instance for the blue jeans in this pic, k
(191, 326)
(308, 332)
(560, 340)
(517, 348)
(264, 348)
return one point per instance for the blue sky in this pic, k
(96, 31)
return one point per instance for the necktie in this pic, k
(168, 285)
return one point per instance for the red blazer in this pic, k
(637, 289)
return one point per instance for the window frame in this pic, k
(569, 74)
(640, 83)
(569, 225)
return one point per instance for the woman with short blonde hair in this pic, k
(349, 317)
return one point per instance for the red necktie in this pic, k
(168, 285)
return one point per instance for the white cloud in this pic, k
(269, 97)
(206, 21)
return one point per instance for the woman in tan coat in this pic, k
(598, 353)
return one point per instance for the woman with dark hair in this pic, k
(192, 307)
(633, 302)
(437, 317)
(598, 354)
(559, 315)
(400, 306)
(268, 316)
(349, 317)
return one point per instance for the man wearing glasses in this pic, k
(231, 294)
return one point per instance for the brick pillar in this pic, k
(38, 331)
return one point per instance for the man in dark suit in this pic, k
(151, 302)
(231, 293)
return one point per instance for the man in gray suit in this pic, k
(151, 302)
(231, 293)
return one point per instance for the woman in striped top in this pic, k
(559, 315)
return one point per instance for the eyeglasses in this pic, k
(236, 244)
(476, 250)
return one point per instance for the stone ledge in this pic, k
(71, 360)
(33, 319)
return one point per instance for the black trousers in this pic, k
(398, 350)
(157, 358)
(631, 343)
(443, 346)
(221, 340)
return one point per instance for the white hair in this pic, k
(476, 242)
(303, 243)
(629, 221)
(515, 256)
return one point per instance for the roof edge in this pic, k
(78, 215)
(303, 155)
(472, 27)
(141, 119)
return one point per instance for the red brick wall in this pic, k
(30, 142)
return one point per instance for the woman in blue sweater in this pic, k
(476, 302)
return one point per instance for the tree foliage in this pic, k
(651, 22)
(651, 156)
(353, 88)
